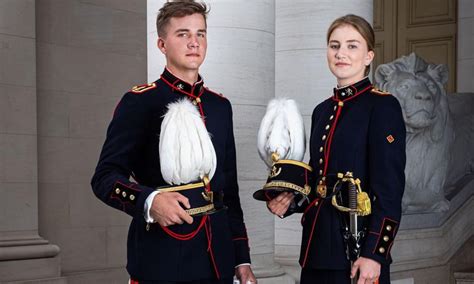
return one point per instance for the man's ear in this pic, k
(161, 45)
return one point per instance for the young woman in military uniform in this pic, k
(359, 129)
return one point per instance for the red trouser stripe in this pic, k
(311, 235)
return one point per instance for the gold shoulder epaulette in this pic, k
(143, 88)
(379, 92)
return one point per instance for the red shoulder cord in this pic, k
(186, 237)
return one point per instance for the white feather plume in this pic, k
(282, 132)
(186, 150)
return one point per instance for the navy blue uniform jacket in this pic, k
(131, 149)
(361, 130)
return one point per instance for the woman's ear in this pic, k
(369, 58)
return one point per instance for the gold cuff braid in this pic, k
(305, 191)
(199, 210)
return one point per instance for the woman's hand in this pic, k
(279, 205)
(369, 270)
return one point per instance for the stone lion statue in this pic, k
(419, 87)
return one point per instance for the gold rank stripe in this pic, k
(181, 187)
(379, 92)
(143, 88)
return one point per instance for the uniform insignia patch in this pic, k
(143, 88)
(379, 92)
(390, 139)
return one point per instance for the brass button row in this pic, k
(124, 194)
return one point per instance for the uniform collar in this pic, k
(346, 92)
(181, 85)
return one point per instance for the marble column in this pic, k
(24, 255)
(301, 73)
(465, 45)
(240, 64)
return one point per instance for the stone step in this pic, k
(464, 277)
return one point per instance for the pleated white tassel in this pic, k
(186, 149)
(281, 131)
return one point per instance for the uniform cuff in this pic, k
(242, 250)
(147, 207)
(378, 244)
(242, 264)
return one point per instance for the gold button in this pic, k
(198, 100)
(389, 228)
(132, 197)
(324, 178)
(320, 172)
(117, 190)
(331, 117)
(321, 182)
(340, 104)
(327, 127)
(324, 137)
(195, 103)
(124, 194)
(316, 203)
(386, 238)
(321, 149)
(320, 161)
(381, 250)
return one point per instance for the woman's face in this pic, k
(348, 55)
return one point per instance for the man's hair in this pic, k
(361, 25)
(178, 9)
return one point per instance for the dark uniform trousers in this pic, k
(360, 130)
(221, 281)
(131, 149)
(320, 276)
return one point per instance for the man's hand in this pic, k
(279, 205)
(244, 274)
(167, 211)
(369, 270)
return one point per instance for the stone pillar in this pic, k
(465, 45)
(89, 53)
(240, 63)
(24, 255)
(301, 73)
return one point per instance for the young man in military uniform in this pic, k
(166, 244)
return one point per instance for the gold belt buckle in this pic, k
(321, 189)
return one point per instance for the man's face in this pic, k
(184, 43)
(348, 55)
